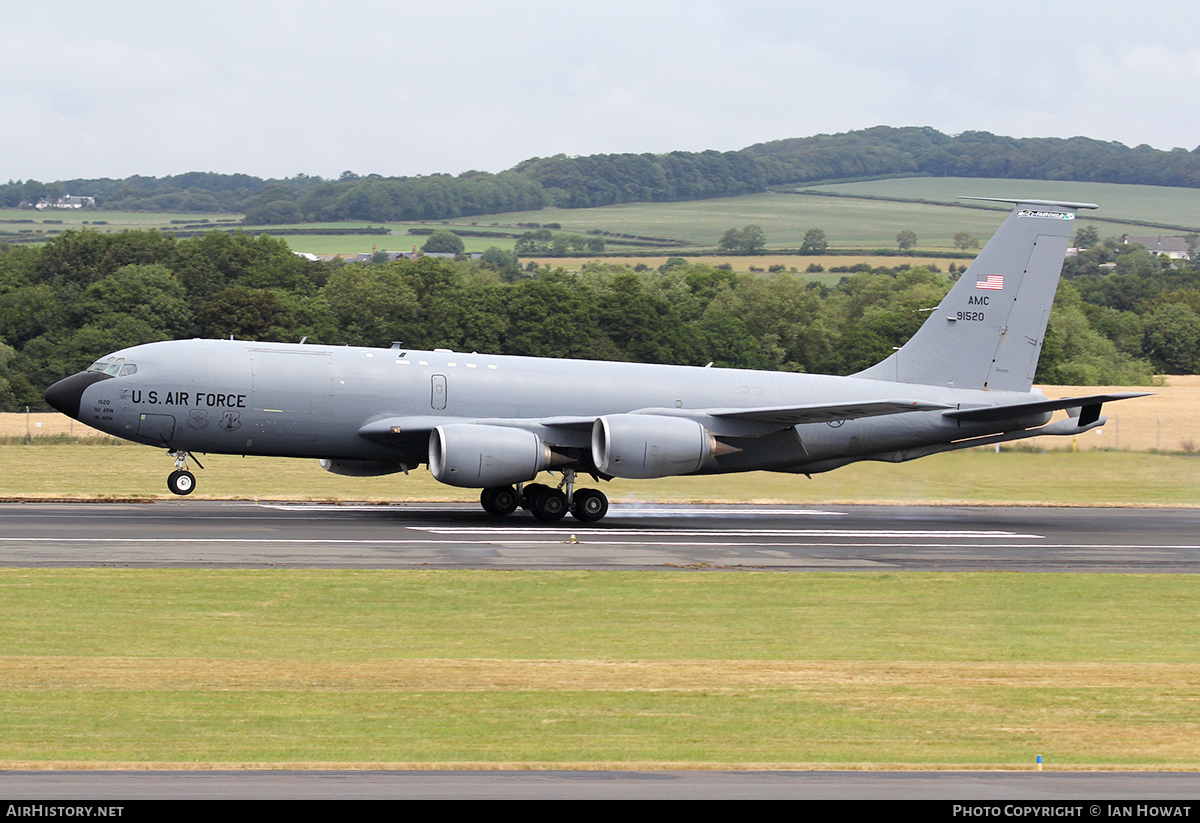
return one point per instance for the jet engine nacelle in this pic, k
(359, 468)
(483, 457)
(646, 445)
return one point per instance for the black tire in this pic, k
(506, 500)
(531, 491)
(589, 505)
(180, 482)
(499, 501)
(549, 506)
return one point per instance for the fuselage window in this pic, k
(128, 368)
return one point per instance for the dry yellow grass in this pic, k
(45, 424)
(467, 674)
(1169, 421)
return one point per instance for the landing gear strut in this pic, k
(181, 481)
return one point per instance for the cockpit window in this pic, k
(115, 366)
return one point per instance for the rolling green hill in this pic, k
(862, 221)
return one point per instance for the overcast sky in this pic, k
(115, 88)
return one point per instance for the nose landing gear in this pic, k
(181, 481)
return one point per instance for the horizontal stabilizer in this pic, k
(1065, 204)
(990, 414)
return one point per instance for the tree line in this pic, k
(605, 179)
(1121, 313)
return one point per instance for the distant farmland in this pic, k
(861, 223)
(849, 222)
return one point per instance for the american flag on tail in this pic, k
(990, 281)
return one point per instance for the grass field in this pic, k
(784, 217)
(848, 223)
(1159, 204)
(112, 220)
(1093, 478)
(106, 668)
(872, 224)
(742, 263)
(399, 240)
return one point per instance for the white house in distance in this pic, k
(66, 202)
(1175, 248)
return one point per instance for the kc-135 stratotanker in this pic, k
(495, 422)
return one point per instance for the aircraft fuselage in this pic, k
(241, 397)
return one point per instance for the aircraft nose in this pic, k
(66, 393)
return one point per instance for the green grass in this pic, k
(114, 220)
(347, 244)
(1160, 204)
(847, 222)
(356, 616)
(784, 217)
(853, 223)
(1094, 478)
(103, 668)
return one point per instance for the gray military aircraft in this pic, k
(495, 422)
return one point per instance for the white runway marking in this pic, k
(506, 531)
(615, 510)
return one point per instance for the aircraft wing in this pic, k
(824, 412)
(726, 421)
(763, 420)
(412, 431)
(1089, 407)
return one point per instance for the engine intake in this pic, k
(483, 457)
(646, 445)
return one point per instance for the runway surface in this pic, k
(194, 533)
(1001, 787)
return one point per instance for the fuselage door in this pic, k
(438, 397)
(157, 427)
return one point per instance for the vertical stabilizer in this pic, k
(987, 333)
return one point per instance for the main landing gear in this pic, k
(545, 503)
(181, 481)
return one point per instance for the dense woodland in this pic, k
(1120, 316)
(603, 179)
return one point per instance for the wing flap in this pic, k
(1089, 406)
(825, 412)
